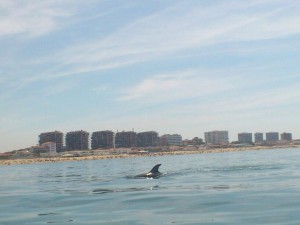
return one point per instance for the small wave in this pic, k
(60, 222)
(48, 214)
(244, 168)
(115, 190)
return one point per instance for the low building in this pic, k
(195, 141)
(51, 147)
(120, 151)
(6, 155)
(23, 154)
(38, 150)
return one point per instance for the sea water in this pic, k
(251, 187)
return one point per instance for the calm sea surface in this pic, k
(253, 187)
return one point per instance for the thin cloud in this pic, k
(159, 35)
(32, 18)
(165, 33)
(175, 86)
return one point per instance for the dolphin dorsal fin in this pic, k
(155, 169)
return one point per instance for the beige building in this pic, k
(51, 146)
(172, 139)
(216, 137)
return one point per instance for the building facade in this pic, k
(258, 137)
(102, 139)
(216, 137)
(245, 137)
(55, 136)
(272, 136)
(162, 141)
(126, 139)
(147, 139)
(172, 139)
(194, 142)
(51, 146)
(286, 136)
(77, 140)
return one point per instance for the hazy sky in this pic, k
(172, 66)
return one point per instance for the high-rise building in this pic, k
(216, 137)
(77, 140)
(126, 139)
(286, 136)
(258, 137)
(245, 137)
(172, 139)
(272, 136)
(147, 139)
(102, 139)
(55, 136)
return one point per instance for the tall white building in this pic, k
(216, 137)
(173, 139)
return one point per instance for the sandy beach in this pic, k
(112, 156)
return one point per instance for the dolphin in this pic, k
(154, 173)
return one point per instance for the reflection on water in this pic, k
(226, 188)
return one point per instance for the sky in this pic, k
(171, 66)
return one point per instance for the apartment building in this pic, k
(172, 139)
(126, 139)
(102, 139)
(245, 137)
(216, 137)
(147, 139)
(272, 136)
(55, 136)
(77, 140)
(258, 137)
(286, 136)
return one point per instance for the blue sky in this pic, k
(172, 66)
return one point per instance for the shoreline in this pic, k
(20, 161)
